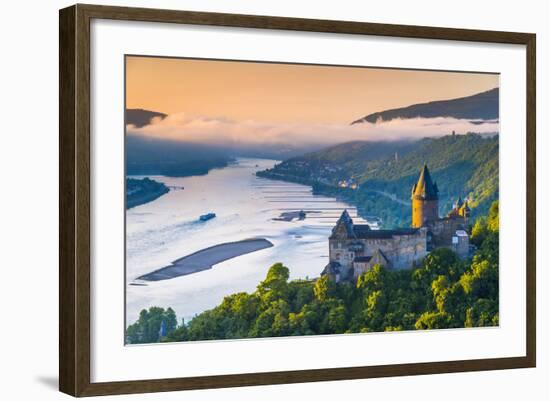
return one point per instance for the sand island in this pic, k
(206, 258)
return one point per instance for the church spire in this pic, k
(425, 188)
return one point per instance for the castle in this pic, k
(356, 248)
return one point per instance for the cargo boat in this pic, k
(206, 217)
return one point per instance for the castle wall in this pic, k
(360, 268)
(407, 250)
(443, 230)
(402, 251)
(461, 244)
(339, 252)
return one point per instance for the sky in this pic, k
(210, 100)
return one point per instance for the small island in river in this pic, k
(206, 258)
(140, 191)
(294, 215)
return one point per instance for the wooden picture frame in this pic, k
(75, 207)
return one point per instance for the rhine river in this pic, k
(162, 231)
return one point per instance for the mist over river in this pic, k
(162, 231)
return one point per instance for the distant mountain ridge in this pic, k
(481, 106)
(141, 117)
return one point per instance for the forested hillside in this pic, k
(481, 106)
(140, 191)
(152, 156)
(462, 165)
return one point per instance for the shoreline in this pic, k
(206, 258)
(346, 195)
(144, 190)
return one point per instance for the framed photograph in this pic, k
(250, 200)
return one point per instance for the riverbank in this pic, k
(206, 258)
(141, 191)
(381, 207)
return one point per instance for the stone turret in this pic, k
(343, 227)
(459, 203)
(460, 209)
(425, 199)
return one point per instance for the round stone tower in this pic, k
(425, 199)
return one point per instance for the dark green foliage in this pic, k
(486, 225)
(462, 165)
(433, 320)
(324, 288)
(154, 156)
(176, 168)
(443, 292)
(275, 285)
(147, 328)
(142, 191)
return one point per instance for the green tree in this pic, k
(439, 262)
(179, 334)
(147, 329)
(481, 281)
(337, 319)
(373, 279)
(493, 221)
(376, 309)
(479, 231)
(433, 320)
(307, 321)
(483, 312)
(273, 321)
(275, 285)
(440, 288)
(324, 288)
(450, 299)
(486, 225)
(301, 293)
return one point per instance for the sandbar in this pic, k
(206, 258)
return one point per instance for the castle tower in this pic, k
(425, 199)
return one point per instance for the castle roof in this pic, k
(379, 258)
(425, 188)
(344, 226)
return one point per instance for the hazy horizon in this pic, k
(233, 103)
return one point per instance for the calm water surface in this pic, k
(166, 229)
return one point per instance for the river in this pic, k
(166, 229)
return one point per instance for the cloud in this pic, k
(226, 132)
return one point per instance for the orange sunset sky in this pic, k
(284, 92)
